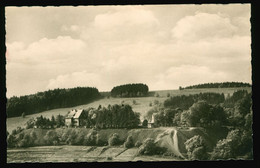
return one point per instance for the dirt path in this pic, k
(176, 144)
(171, 139)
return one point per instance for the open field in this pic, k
(141, 106)
(77, 154)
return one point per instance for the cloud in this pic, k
(185, 75)
(123, 24)
(74, 79)
(45, 50)
(203, 26)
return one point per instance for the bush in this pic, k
(156, 102)
(149, 147)
(114, 140)
(91, 139)
(196, 148)
(237, 143)
(157, 95)
(51, 138)
(145, 123)
(138, 144)
(11, 141)
(129, 143)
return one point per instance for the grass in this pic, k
(141, 105)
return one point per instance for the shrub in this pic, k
(138, 144)
(51, 137)
(149, 147)
(134, 102)
(11, 141)
(91, 138)
(196, 148)
(157, 95)
(237, 143)
(145, 123)
(129, 143)
(156, 102)
(30, 123)
(114, 140)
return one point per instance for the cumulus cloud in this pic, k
(45, 50)
(74, 79)
(203, 26)
(124, 24)
(185, 75)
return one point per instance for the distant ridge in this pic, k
(219, 85)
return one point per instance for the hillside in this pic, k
(142, 104)
(219, 85)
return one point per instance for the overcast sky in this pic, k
(163, 46)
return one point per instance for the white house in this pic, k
(151, 122)
(73, 118)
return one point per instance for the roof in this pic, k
(78, 113)
(71, 114)
(74, 113)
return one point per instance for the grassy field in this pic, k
(141, 106)
(78, 154)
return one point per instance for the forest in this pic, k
(51, 99)
(130, 90)
(219, 85)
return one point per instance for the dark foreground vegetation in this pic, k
(51, 99)
(219, 85)
(130, 90)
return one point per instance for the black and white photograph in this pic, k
(120, 83)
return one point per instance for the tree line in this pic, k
(51, 99)
(219, 85)
(184, 102)
(130, 90)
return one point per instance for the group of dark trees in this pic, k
(51, 99)
(43, 122)
(186, 101)
(130, 90)
(218, 85)
(204, 110)
(233, 112)
(116, 116)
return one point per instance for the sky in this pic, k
(163, 46)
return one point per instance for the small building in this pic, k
(74, 117)
(151, 122)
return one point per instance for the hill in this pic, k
(219, 85)
(51, 99)
(141, 105)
